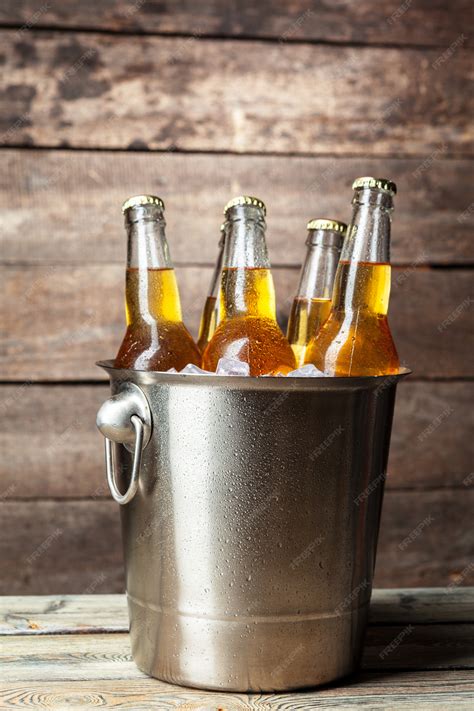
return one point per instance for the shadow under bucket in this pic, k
(251, 525)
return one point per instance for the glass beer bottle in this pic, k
(312, 302)
(248, 330)
(356, 338)
(156, 338)
(210, 314)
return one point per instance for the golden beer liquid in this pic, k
(208, 322)
(306, 318)
(156, 338)
(356, 339)
(248, 330)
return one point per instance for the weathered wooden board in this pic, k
(80, 614)
(61, 546)
(59, 207)
(412, 666)
(74, 546)
(431, 444)
(423, 22)
(64, 206)
(58, 321)
(74, 614)
(403, 646)
(426, 537)
(419, 606)
(107, 656)
(95, 90)
(407, 691)
(51, 447)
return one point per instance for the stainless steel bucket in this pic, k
(250, 516)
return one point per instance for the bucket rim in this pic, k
(239, 382)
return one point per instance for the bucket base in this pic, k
(251, 654)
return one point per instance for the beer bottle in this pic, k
(312, 302)
(248, 330)
(356, 338)
(210, 314)
(156, 338)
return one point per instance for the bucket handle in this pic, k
(137, 460)
(125, 419)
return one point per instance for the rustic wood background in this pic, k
(197, 102)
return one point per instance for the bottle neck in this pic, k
(151, 288)
(245, 245)
(246, 284)
(368, 235)
(363, 275)
(319, 268)
(147, 247)
(214, 286)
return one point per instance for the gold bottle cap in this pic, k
(138, 200)
(323, 224)
(380, 183)
(245, 200)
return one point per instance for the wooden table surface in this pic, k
(72, 652)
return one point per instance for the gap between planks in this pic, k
(399, 155)
(61, 614)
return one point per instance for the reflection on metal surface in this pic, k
(249, 565)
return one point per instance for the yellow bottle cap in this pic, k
(138, 200)
(380, 183)
(324, 224)
(245, 200)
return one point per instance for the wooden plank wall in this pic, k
(289, 100)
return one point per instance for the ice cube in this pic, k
(307, 371)
(192, 369)
(232, 366)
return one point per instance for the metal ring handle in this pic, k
(137, 459)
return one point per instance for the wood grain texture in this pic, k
(423, 22)
(272, 86)
(59, 422)
(412, 643)
(64, 206)
(96, 669)
(74, 546)
(92, 613)
(426, 539)
(107, 656)
(198, 94)
(409, 691)
(417, 606)
(79, 614)
(84, 656)
(430, 444)
(67, 318)
(61, 546)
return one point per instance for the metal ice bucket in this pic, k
(250, 513)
